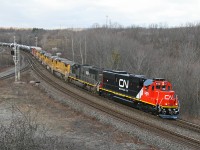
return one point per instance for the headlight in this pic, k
(170, 111)
(164, 111)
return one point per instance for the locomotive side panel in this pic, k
(109, 81)
(125, 84)
(128, 84)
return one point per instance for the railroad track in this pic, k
(117, 113)
(188, 125)
(25, 68)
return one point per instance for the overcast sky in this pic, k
(51, 14)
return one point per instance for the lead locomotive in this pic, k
(153, 95)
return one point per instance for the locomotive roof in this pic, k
(86, 66)
(64, 60)
(68, 62)
(158, 79)
(61, 59)
(96, 68)
(116, 71)
(47, 54)
(42, 51)
(139, 76)
(124, 73)
(37, 48)
(148, 82)
(54, 57)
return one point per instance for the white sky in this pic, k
(51, 14)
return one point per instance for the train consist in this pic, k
(151, 95)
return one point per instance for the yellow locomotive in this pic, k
(83, 75)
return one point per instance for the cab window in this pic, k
(164, 88)
(157, 86)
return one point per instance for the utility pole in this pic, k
(73, 48)
(81, 53)
(16, 59)
(36, 41)
(106, 21)
(85, 51)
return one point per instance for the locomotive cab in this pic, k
(159, 92)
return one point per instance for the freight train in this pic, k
(152, 95)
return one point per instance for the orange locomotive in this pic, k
(158, 93)
(153, 95)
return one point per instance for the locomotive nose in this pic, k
(169, 99)
(169, 95)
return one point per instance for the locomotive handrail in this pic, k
(160, 101)
(157, 97)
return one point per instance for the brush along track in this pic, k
(110, 109)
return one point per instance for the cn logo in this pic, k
(123, 83)
(146, 93)
(168, 97)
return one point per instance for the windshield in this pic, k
(165, 88)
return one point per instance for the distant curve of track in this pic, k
(24, 68)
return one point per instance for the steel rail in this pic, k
(27, 67)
